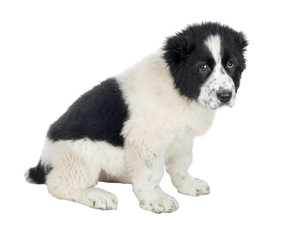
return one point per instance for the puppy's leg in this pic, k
(147, 173)
(91, 197)
(73, 177)
(177, 167)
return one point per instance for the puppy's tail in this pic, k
(38, 174)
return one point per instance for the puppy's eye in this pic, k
(230, 64)
(203, 68)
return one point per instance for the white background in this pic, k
(53, 51)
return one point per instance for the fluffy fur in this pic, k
(128, 128)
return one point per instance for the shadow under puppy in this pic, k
(128, 127)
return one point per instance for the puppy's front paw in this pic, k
(156, 200)
(162, 204)
(201, 186)
(193, 186)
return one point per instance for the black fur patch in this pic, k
(99, 114)
(38, 174)
(186, 51)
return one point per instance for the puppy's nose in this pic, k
(224, 96)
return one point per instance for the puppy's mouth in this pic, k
(221, 105)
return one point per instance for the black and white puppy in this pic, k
(128, 127)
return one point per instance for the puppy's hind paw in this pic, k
(100, 199)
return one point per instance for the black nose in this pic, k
(224, 96)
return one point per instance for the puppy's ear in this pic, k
(177, 48)
(241, 41)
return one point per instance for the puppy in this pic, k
(129, 127)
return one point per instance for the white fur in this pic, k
(160, 130)
(218, 80)
(178, 160)
(76, 169)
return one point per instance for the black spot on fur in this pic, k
(186, 51)
(99, 114)
(38, 174)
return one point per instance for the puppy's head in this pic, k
(206, 62)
